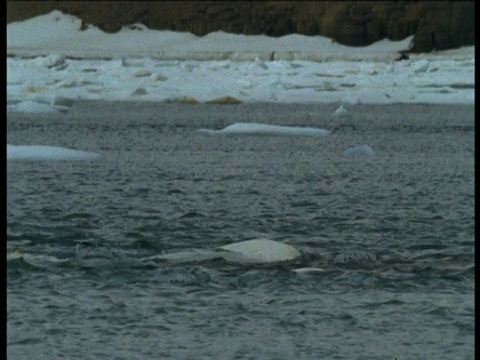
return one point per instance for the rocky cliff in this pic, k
(435, 24)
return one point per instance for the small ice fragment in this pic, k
(341, 112)
(260, 63)
(363, 150)
(421, 66)
(245, 84)
(50, 61)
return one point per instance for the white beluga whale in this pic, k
(309, 270)
(256, 251)
(256, 129)
(259, 251)
(47, 153)
(15, 254)
(33, 259)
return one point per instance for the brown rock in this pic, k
(226, 100)
(374, 30)
(361, 12)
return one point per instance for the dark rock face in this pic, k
(436, 24)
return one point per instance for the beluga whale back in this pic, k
(255, 251)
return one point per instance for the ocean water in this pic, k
(394, 234)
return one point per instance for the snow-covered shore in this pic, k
(60, 63)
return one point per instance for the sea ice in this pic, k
(31, 107)
(421, 66)
(50, 61)
(293, 68)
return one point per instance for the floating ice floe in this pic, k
(32, 107)
(58, 103)
(51, 61)
(254, 129)
(47, 153)
(363, 150)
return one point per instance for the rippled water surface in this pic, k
(394, 234)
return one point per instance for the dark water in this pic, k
(394, 233)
